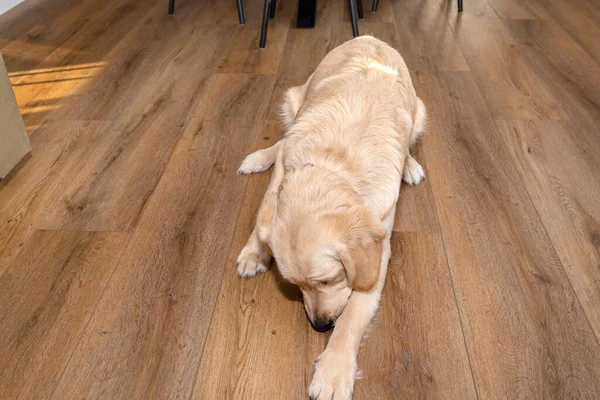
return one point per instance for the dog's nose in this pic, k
(322, 325)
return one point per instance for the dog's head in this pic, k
(324, 241)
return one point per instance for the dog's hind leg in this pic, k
(255, 257)
(413, 172)
(259, 161)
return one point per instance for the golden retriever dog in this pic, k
(328, 213)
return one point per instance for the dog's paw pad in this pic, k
(413, 172)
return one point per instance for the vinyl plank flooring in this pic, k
(143, 54)
(509, 85)
(580, 21)
(110, 193)
(47, 297)
(244, 55)
(416, 347)
(426, 40)
(415, 211)
(564, 183)
(256, 322)
(159, 306)
(515, 9)
(27, 50)
(69, 68)
(26, 15)
(59, 150)
(525, 329)
(138, 122)
(574, 76)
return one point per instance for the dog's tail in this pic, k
(292, 101)
(291, 104)
(419, 123)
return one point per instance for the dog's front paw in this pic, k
(334, 377)
(252, 261)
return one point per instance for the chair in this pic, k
(376, 3)
(271, 6)
(240, 7)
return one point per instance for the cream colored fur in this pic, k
(328, 213)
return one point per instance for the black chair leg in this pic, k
(273, 8)
(171, 7)
(353, 17)
(375, 4)
(360, 9)
(241, 12)
(460, 7)
(265, 24)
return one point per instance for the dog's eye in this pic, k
(324, 282)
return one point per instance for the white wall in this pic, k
(6, 5)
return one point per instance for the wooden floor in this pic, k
(119, 234)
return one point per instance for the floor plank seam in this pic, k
(84, 330)
(212, 314)
(458, 308)
(549, 239)
(521, 177)
(83, 230)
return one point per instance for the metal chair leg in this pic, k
(273, 8)
(171, 7)
(265, 24)
(375, 4)
(241, 17)
(460, 6)
(360, 9)
(353, 17)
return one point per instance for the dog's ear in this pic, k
(361, 256)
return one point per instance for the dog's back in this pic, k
(356, 114)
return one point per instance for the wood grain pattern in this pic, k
(507, 82)
(59, 152)
(23, 17)
(49, 29)
(66, 70)
(244, 55)
(425, 39)
(524, 327)
(111, 191)
(159, 305)
(550, 161)
(574, 76)
(47, 297)
(248, 350)
(415, 211)
(138, 123)
(416, 347)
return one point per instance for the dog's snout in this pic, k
(322, 325)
